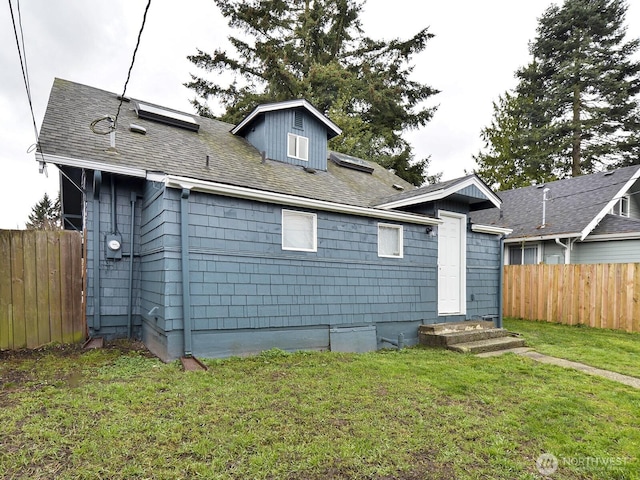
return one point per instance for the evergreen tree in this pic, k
(316, 50)
(576, 101)
(45, 214)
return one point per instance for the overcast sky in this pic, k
(477, 47)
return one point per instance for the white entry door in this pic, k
(452, 260)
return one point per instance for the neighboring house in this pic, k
(211, 239)
(588, 219)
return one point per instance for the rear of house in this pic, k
(210, 239)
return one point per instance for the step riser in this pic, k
(488, 347)
(435, 328)
(461, 337)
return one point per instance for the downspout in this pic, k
(97, 182)
(567, 250)
(114, 225)
(133, 211)
(184, 246)
(501, 283)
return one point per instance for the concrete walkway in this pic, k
(598, 372)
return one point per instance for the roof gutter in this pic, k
(542, 237)
(173, 181)
(92, 165)
(490, 229)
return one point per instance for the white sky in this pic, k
(477, 48)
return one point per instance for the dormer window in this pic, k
(298, 147)
(621, 207)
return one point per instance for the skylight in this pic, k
(168, 117)
(347, 161)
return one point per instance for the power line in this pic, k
(23, 61)
(133, 59)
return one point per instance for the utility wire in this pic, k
(23, 62)
(133, 59)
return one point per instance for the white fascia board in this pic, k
(490, 229)
(172, 181)
(596, 220)
(540, 238)
(445, 192)
(271, 107)
(91, 165)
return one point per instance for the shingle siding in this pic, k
(483, 274)
(114, 274)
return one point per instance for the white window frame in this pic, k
(621, 207)
(522, 246)
(301, 146)
(295, 213)
(400, 230)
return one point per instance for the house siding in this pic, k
(244, 287)
(612, 251)
(280, 123)
(634, 200)
(483, 274)
(114, 274)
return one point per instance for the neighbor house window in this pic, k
(523, 254)
(621, 207)
(389, 240)
(298, 147)
(299, 231)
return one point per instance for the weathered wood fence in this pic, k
(41, 280)
(599, 295)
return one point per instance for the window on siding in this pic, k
(390, 240)
(299, 231)
(621, 207)
(523, 254)
(298, 147)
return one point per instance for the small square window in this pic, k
(298, 147)
(299, 231)
(621, 207)
(390, 240)
(523, 255)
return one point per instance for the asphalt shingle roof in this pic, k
(572, 204)
(66, 132)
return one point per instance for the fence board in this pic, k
(5, 289)
(41, 282)
(602, 295)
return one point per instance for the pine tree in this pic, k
(577, 99)
(45, 214)
(316, 50)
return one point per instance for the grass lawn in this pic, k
(416, 414)
(609, 349)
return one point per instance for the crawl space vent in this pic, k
(168, 117)
(347, 161)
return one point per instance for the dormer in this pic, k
(293, 132)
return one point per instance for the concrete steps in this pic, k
(471, 337)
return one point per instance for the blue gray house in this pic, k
(211, 239)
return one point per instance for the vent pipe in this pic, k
(544, 207)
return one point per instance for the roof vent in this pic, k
(398, 187)
(309, 169)
(610, 172)
(540, 186)
(168, 117)
(137, 129)
(347, 161)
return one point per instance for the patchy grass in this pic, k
(609, 349)
(414, 414)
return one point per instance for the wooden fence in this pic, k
(41, 280)
(599, 295)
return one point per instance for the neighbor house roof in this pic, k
(574, 206)
(66, 139)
